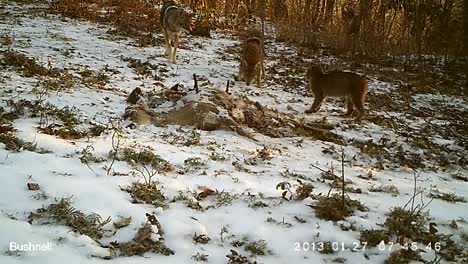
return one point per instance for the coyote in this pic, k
(350, 86)
(173, 20)
(251, 62)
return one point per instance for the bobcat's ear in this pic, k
(257, 65)
(243, 61)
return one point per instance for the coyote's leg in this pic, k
(240, 75)
(263, 70)
(168, 43)
(176, 45)
(359, 103)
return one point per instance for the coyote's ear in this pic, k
(257, 65)
(191, 18)
(243, 61)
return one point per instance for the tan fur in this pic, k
(350, 86)
(142, 116)
(138, 114)
(251, 65)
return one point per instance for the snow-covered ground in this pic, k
(76, 46)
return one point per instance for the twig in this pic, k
(195, 83)
(115, 145)
(343, 180)
(414, 190)
(421, 206)
(89, 167)
(322, 170)
(438, 126)
(227, 87)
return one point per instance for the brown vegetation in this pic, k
(369, 27)
(330, 207)
(427, 33)
(138, 19)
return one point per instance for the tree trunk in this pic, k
(322, 10)
(329, 11)
(315, 12)
(465, 27)
(280, 9)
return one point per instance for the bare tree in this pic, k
(465, 28)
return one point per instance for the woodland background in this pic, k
(373, 28)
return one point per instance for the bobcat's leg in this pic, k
(359, 103)
(349, 106)
(316, 105)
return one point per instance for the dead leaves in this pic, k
(148, 238)
(33, 186)
(205, 193)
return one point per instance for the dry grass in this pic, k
(27, 66)
(142, 242)
(374, 237)
(331, 207)
(64, 213)
(258, 248)
(137, 19)
(236, 258)
(62, 122)
(403, 256)
(149, 194)
(447, 196)
(406, 223)
(13, 143)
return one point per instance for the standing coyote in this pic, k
(348, 85)
(173, 20)
(251, 62)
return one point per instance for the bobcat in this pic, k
(174, 20)
(251, 62)
(350, 86)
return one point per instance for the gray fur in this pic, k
(174, 20)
